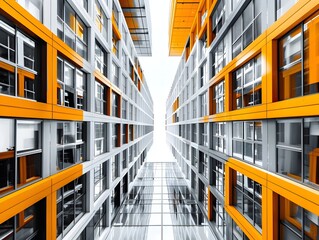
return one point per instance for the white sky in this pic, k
(159, 69)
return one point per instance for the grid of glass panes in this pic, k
(100, 179)
(70, 205)
(71, 85)
(247, 27)
(218, 175)
(219, 137)
(219, 97)
(219, 16)
(220, 217)
(247, 141)
(247, 88)
(100, 59)
(100, 96)
(248, 199)
(71, 29)
(70, 144)
(100, 138)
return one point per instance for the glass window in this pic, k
(115, 71)
(100, 20)
(34, 7)
(100, 98)
(218, 16)
(100, 139)
(203, 75)
(247, 27)
(17, 50)
(100, 179)
(282, 6)
(71, 146)
(71, 87)
(294, 61)
(71, 29)
(115, 135)
(116, 105)
(203, 101)
(247, 84)
(100, 59)
(247, 199)
(124, 109)
(71, 202)
(296, 222)
(247, 141)
(219, 137)
(219, 97)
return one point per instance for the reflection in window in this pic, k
(28, 224)
(70, 143)
(71, 86)
(219, 137)
(247, 27)
(100, 20)
(71, 29)
(247, 84)
(294, 64)
(297, 156)
(218, 16)
(283, 6)
(116, 105)
(296, 222)
(247, 141)
(219, 217)
(100, 59)
(219, 97)
(247, 199)
(100, 139)
(20, 64)
(100, 98)
(289, 161)
(34, 7)
(70, 205)
(218, 175)
(100, 179)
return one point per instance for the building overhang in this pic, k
(137, 16)
(181, 20)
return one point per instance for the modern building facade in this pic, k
(242, 114)
(76, 114)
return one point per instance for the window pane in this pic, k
(29, 135)
(289, 163)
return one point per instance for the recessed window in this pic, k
(71, 148)
(71, 202)
(219, 97)
(219, 137)
(100, 59)
(100, 138)
(100, 179)
(100, 20)
(100, 98)
(296, 72)
(247, 196)
(247, 87)
(71, 29)
(247, 27)
(247, 141)
(20, 70)
(71, 90)
(34, 7)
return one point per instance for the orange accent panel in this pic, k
(18, 201)
(65, 176)
(65, 113)
(68, 52)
